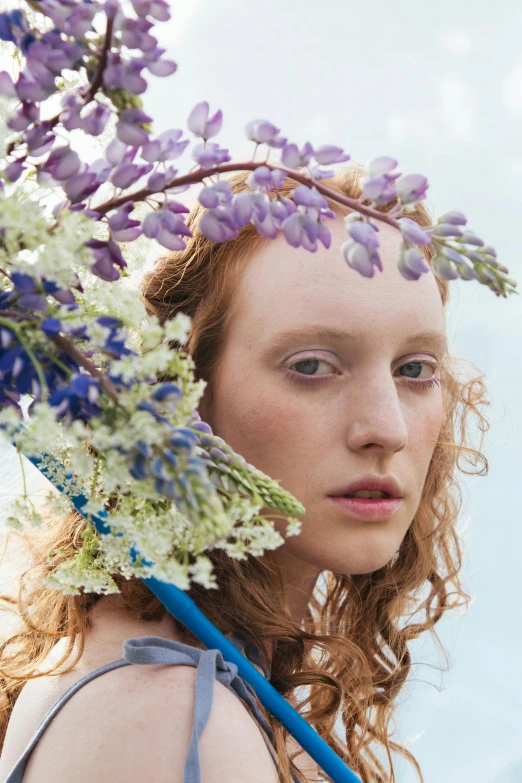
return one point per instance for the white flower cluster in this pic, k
(165, 517)
(93, 460)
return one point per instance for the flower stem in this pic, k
(68, 347)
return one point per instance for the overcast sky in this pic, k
(438, 86)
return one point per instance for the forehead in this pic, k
(282, 287)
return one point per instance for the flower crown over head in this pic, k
(77, 341)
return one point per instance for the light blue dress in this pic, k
(155, 650)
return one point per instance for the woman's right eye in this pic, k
(306, 374)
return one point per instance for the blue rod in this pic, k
(183, 608)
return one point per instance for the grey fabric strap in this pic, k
(17, 773)
(210, 666)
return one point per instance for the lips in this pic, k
(386, 484)
(369, 509)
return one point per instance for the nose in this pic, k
(375, 413)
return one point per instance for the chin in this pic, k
(363, 556)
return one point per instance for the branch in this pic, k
(201, 174)
(97, 81)
(68, 347)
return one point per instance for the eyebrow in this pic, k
(435, 339)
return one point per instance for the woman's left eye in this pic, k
(307, 377)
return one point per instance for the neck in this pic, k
(299, 578)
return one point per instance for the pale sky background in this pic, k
(438, 87)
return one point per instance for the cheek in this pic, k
(263, 425)
(424, 430)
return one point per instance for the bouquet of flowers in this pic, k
(111, 393)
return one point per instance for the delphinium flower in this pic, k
(82, 346)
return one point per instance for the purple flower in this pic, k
(363, 233)
(30, 90)
(467, 272)
(127, 174)
(300, 229)
(378, 190)
(201, 125)
(96, 119)
(33, 302)
(263, 132)
(158, 67)
(6, 83)
(263, 178)
(80, 186)
(51, 326)
(166, 391)
(328, 154)
(70, 116)
(39, 140)
(164, 225)
(412, 264)
(62, 295)
(24, 283)
(382, 166)
(62, 163)
(123, 229)
(455, 217)
(25, 116)
(159, 179)
(37, 53)
(411, 187)
(128, 128)
(56, 53)
(158, 9)
(108, 256)
(309, 197)
(125, 75)
(453, 255)
(135, 34)
(79, 400)
(318, 174)
(213, 195)
(447, 230)
(166, 147)
(244, 204)
(6, 33)
(295, 158)
(75, 21)
(209, 154)
(376, 186)
(442, 268)
(362, 258)
(101, 168)
(218, 224)
(13, 25)
(115, 151)
(14, 169)
(412, 232)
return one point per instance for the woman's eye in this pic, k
(417, 379)
(306, 371)
(420, 374)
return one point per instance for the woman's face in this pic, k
(360, 417)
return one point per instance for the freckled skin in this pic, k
(364, 419)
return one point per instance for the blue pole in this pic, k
(183, 608)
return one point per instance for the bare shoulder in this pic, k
(134, 724)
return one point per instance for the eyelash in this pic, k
(311, 381)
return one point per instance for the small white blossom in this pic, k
(202, 572)
(294, 527)
(178, 328)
